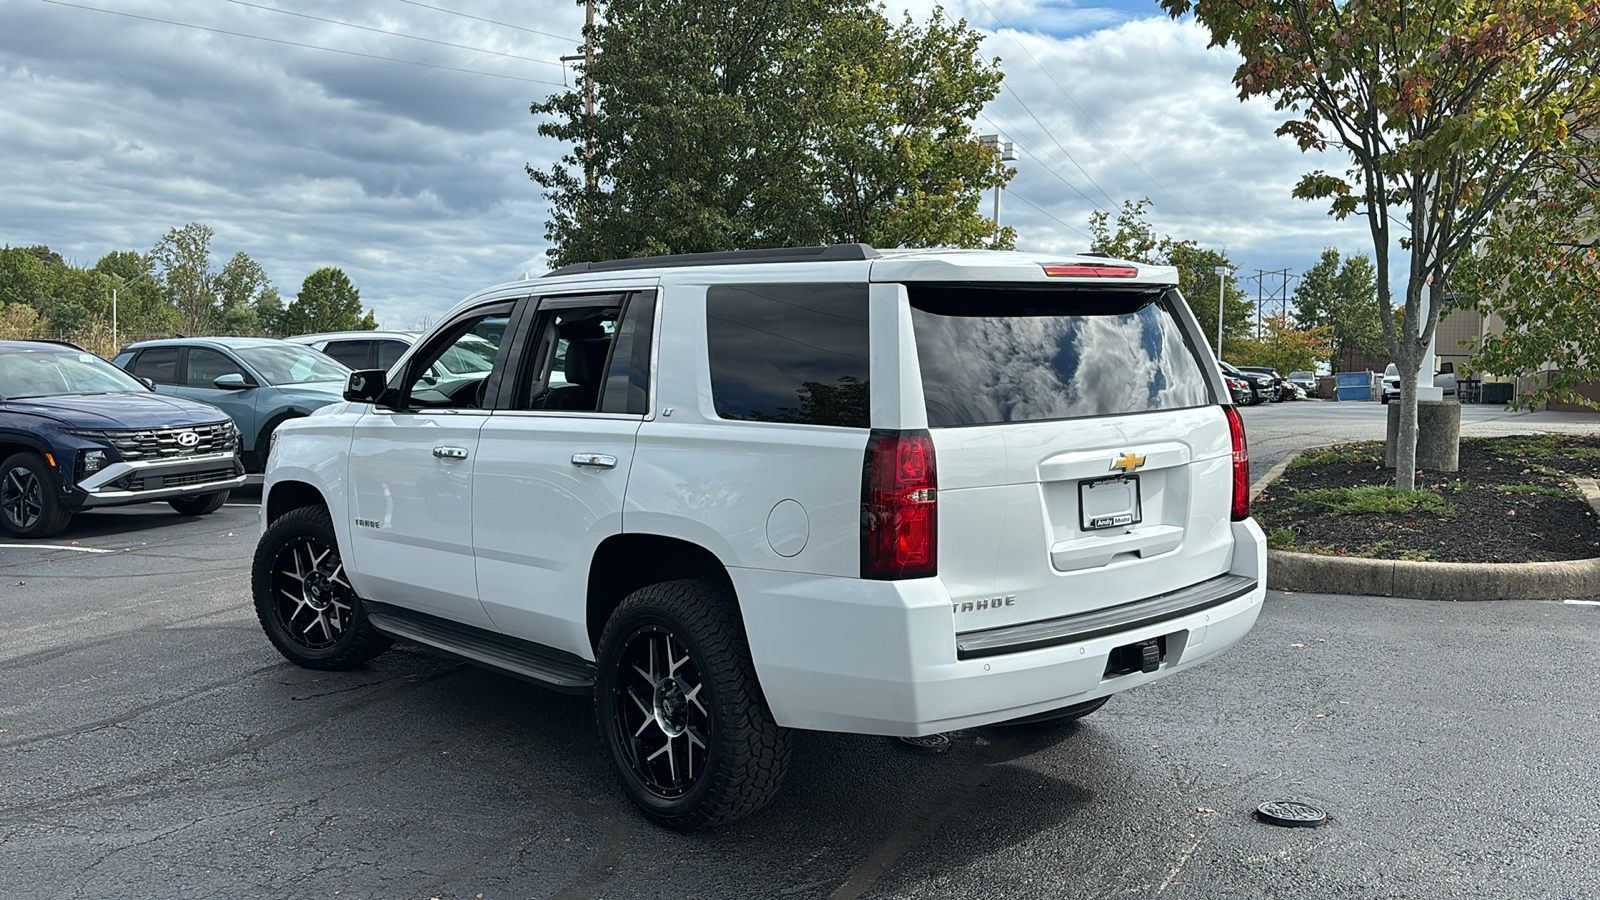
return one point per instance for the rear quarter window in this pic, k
(789, 353)
(991, 354)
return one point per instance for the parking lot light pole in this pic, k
(142, 277)
(1222, 274)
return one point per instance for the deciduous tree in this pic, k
(726, 126)
(1342, 296)
(327, 302)
(1441, 110)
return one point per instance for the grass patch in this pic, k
(1351, 454)
(1378, 498)
(1283, 539)
(1540, 446)
(1544, 489)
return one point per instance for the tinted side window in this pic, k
(571, 357)
(159, 364)
(990, 354)
(355, 354)
(389, 353)
(789, 353)
(206, 366)
(627, 388)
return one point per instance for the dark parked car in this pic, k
(1262, 387)
(260, 382)
(76, 432)
(1285, 388)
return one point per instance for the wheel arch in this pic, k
(263, 439)
(287, 496)
(624, 563)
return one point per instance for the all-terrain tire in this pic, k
(305, 604)
(199, 504)
(679, 708)
(29, 505)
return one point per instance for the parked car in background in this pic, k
(1283, 389)
(382, 349)
(1305, 381)
(1262, 387)
(260, 382)
(1444, 380)
(77, 432)
(1240, 390)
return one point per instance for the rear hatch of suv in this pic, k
(1083, 461)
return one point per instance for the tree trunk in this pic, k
(1405, 455)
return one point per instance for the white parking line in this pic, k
(57, 547)
(1582, 602)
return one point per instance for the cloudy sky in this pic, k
(391, 140)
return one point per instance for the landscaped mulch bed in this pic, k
(1513, 500)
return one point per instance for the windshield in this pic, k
(59, 370)
(291, 364)
(472, 355)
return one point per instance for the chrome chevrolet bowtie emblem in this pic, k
(1127, 462)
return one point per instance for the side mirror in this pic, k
(368, 386)
(232, 381)
(146, 381)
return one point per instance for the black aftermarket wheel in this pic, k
(29, 506)
(680, 711)
(303, 599)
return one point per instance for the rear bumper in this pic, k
(837, 654)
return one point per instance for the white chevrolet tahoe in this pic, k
(736, 494)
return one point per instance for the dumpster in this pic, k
(1496, 392)
(1354, 385)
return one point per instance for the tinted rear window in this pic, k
(789, 353)
(991, 355)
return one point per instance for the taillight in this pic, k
(899, 507)
(1082, 271)
(1241, 466)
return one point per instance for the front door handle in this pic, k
(450, 452)
(595, 460)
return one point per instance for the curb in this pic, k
(1311, 573)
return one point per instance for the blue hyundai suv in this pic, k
(76, 432)
(260, 382)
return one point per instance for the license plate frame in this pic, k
(1101, 507)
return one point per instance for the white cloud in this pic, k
(115, 129)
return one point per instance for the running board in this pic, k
(552, 668)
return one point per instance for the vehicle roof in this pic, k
(229, 342)
(39, 344)
(409, 336)
(854, 262)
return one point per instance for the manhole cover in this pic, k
(1291, 814)
(931, 743)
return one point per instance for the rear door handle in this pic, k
(450, 452)
(595, 460)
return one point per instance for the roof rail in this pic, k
(832, 253)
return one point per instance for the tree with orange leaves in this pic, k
(1442, 109)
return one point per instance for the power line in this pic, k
(1017, 196)
(1045, 163)
(409, 37)
(257, 37)
(1052, 137)
(463, 15)
(1001, 24)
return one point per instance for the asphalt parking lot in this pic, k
(152, 744)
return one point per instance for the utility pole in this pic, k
(588, 91)
(1222, 273)
(1007, 152)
